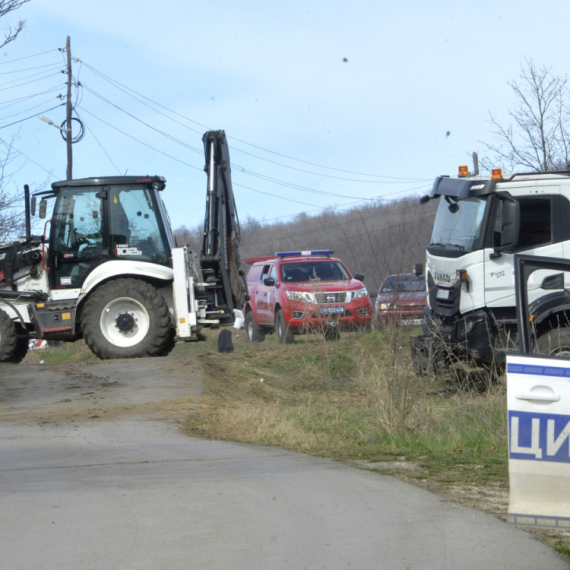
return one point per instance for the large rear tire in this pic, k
(127, 318)
(8, 337)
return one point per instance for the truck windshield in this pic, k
(457, 224)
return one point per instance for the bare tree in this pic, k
(7, 7)
(11, 207)
(538, 137)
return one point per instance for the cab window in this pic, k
(535, 222)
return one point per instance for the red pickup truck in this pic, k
(297, 292)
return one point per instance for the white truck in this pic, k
(480, 224)
(107, 269)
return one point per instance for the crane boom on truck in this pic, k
(107, 268)
(481, 223)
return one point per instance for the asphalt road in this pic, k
(129, 491)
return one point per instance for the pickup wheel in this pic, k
(127, 318)
(284, 334)
(254, 333)
(555, 342)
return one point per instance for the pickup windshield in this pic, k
(458, 224)
(304, 271)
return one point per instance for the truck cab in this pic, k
(480, 224)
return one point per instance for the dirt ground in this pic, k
(78, 391)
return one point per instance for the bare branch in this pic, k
(538, 138)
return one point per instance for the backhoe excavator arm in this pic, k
(219, 259)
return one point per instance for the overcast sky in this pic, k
(325, 103)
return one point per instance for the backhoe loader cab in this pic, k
(107, 269)
(102, 219)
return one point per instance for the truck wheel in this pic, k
(555, 342)
(8, 338)
(284, 334)
(127, 318)
(254, 334)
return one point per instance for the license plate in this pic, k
(332, 310)
(443, 294)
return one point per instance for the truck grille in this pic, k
(330, 298)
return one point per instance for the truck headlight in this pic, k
(301, 296)
(384, 306)
(359, 293)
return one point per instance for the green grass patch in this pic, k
(354, 400)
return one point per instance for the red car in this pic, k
(300, 291)
(401, 299)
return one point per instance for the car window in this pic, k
(408, 283)
(304, 271)
(265, 272)
(253, 274)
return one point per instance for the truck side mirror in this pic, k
(33, 206)
(359, 276)
(269, 282)
(510, 224)
(43, 208)
(418, 269)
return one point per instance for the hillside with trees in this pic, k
(377, 239)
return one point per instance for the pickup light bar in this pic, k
(304, 253)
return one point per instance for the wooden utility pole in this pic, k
(69, 135)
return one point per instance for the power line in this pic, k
(234, 165)
(10, 102)
(27, 82)
(124, 88)
(31, 116)
(97, 141)
(235, 184)
(28, 56)
(25, 110)
(141, 142)
(51, 65)
(20, 153)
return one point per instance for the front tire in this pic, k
(127, 318)
(284, 334)
(555, 342)
(254, 334)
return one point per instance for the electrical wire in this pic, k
(126, 89)
(11, 102)
(141, 142)
(51, 65)
(28, 56)
(234, 165)
(32, 116)
(26, 110)
(27, 83)
(100, 145)
(21, 153)
(235, 184)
